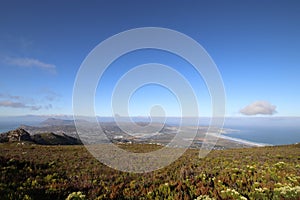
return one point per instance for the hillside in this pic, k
(32, 171)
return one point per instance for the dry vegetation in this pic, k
(58, 172)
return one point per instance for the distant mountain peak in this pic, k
(56, 122)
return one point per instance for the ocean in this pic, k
(267, 135)
(7, 126)
(11, 125)
(273, 131)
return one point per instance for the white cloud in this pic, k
(12, 104)
(49, 94)
(31, 62)
(9, 96)
(12, 101)
(259, 107)
(49, 106)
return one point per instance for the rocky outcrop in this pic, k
(21, 135)
(15, 136)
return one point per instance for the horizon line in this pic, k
(71, 115)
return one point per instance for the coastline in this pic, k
(241, 141)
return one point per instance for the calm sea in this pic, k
(274, 131)
(11, 125)
(267, 135)
(7, 126)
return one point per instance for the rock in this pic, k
(18, 135)
(21, 135)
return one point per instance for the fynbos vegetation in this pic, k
(32, 171)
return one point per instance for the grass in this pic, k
(32, 171)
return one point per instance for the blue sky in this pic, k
(255, 45)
